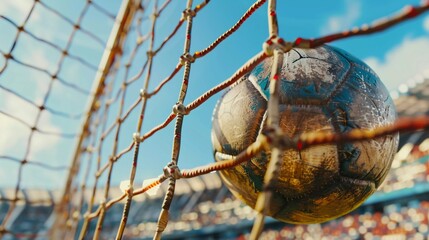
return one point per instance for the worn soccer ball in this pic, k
(322, 89)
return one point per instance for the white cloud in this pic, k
(39, 58)
(15, 135)
(14, 143)
(426, 24)
(403, 62)
(343, 21)
(20, 8)
(44, 23)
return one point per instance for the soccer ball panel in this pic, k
(236, 121)
(308, 77)
(301, 169)
(363, 102)
(346, 194)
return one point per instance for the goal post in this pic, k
(112, 53)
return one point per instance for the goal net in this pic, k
(98, 99)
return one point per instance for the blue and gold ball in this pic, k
(323, 90)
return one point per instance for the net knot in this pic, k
(273, 43)
(137, 138)
(89, 149)
(153, 16)
(150, 54)
(188, 13)
(179, 108)
(172, 171)
(186, 58)
(113, 159)
(276, 138)
(140, 40)
(143, 93)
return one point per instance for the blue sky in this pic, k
(399, 55)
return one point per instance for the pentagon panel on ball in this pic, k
(322, 89)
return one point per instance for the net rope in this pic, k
(114, 91)
(42, 107)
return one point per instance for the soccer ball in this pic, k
(322, 89)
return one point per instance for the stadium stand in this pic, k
(204, 208)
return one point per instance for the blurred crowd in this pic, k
(216, 213)
(393, 222)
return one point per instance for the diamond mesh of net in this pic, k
(110, 106)
(54, 79)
